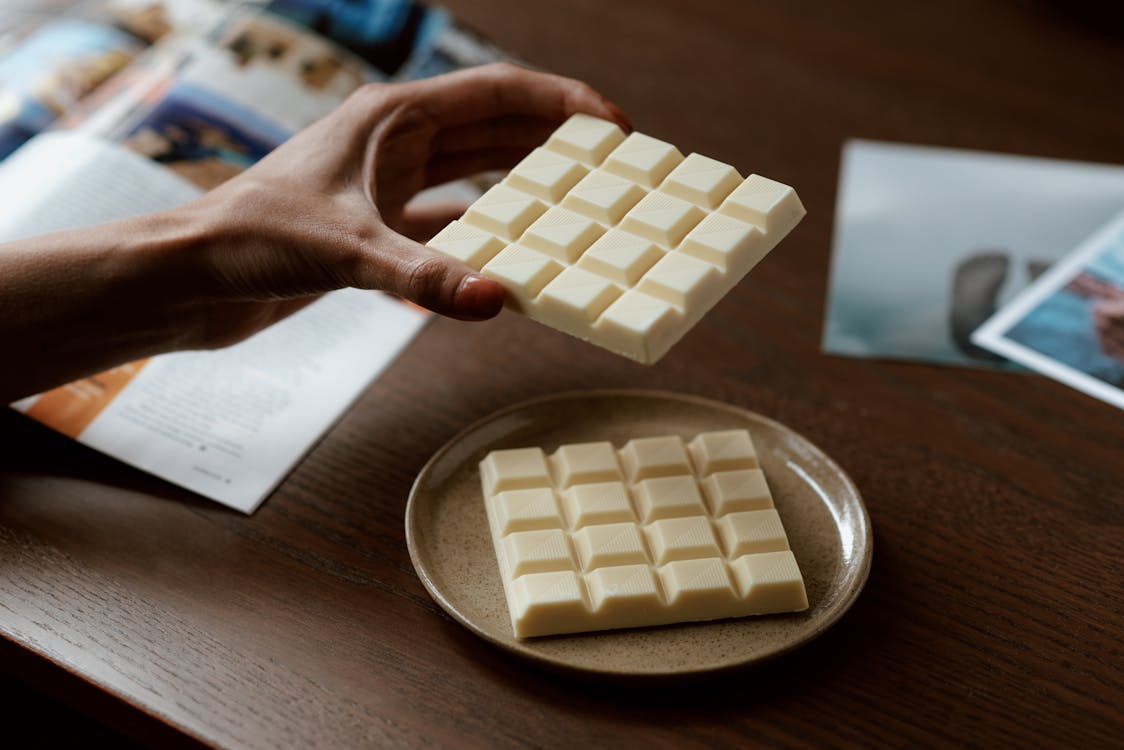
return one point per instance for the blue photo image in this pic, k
(1082, 324)
(385, 33)
(49, 71)
(205, 138)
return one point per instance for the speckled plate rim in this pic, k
(852, 581)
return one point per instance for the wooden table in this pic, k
(992, 615)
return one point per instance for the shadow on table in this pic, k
(32, 450)
(863, 628)
(1097, 16)
(32, 714)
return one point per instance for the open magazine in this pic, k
(113, 108)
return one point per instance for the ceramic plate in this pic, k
(451, 548)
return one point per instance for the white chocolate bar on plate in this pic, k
(594, 538)
(620, 240)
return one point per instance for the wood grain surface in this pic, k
(993, 612)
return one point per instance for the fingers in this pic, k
(420, 223)
(503, 89)
(447, 168)
(1108, 321)
(513, 132)
(398, 265)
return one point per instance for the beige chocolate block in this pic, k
(605, 189)
(539, 551)
(682, 280)
(472, 246)
(699, 589)
(770, 205)
(515, 469)
(526, 510)
(562, 234)
(585, 138)
(662, 218)
(577, 554)
(585, 463)
(640, 326)
(730, 491)
(643, 159)
(547, 603)
(644, 458)
(732, 246)
(604, 197)
(523, 272)
(752, 531)
(597, 503)
(681, 539)
(545, 174)
(609, 544)
(701, 180)
(624, 596)
(722, 451)
(770, 582)
(620, 257)
(667, 497)
(504, 211)
(574, 299)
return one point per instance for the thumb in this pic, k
(400, 266)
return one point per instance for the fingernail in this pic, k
(478, 298)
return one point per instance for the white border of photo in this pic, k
(993, 334)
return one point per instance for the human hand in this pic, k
(1108, 320)
(1092, 287)
(329, 208)
(326, 210)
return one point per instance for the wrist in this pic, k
(77, 302)
(158, 269)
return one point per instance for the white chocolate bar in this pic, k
(595, 538)
(618, 240)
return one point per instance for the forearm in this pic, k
(77, 302)
(325, 210)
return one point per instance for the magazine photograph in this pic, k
(930, 242)
(1070, 324)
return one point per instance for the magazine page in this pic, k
(54, 54)
(274, 67)
(64, 180)
(51, 68)
(181, 119)
(1069, 324)
(199, 135)
(231, 424)
(162, 20)
(228, 424)
(398, 39)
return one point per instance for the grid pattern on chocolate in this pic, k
(592, 537)
(620, 240)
